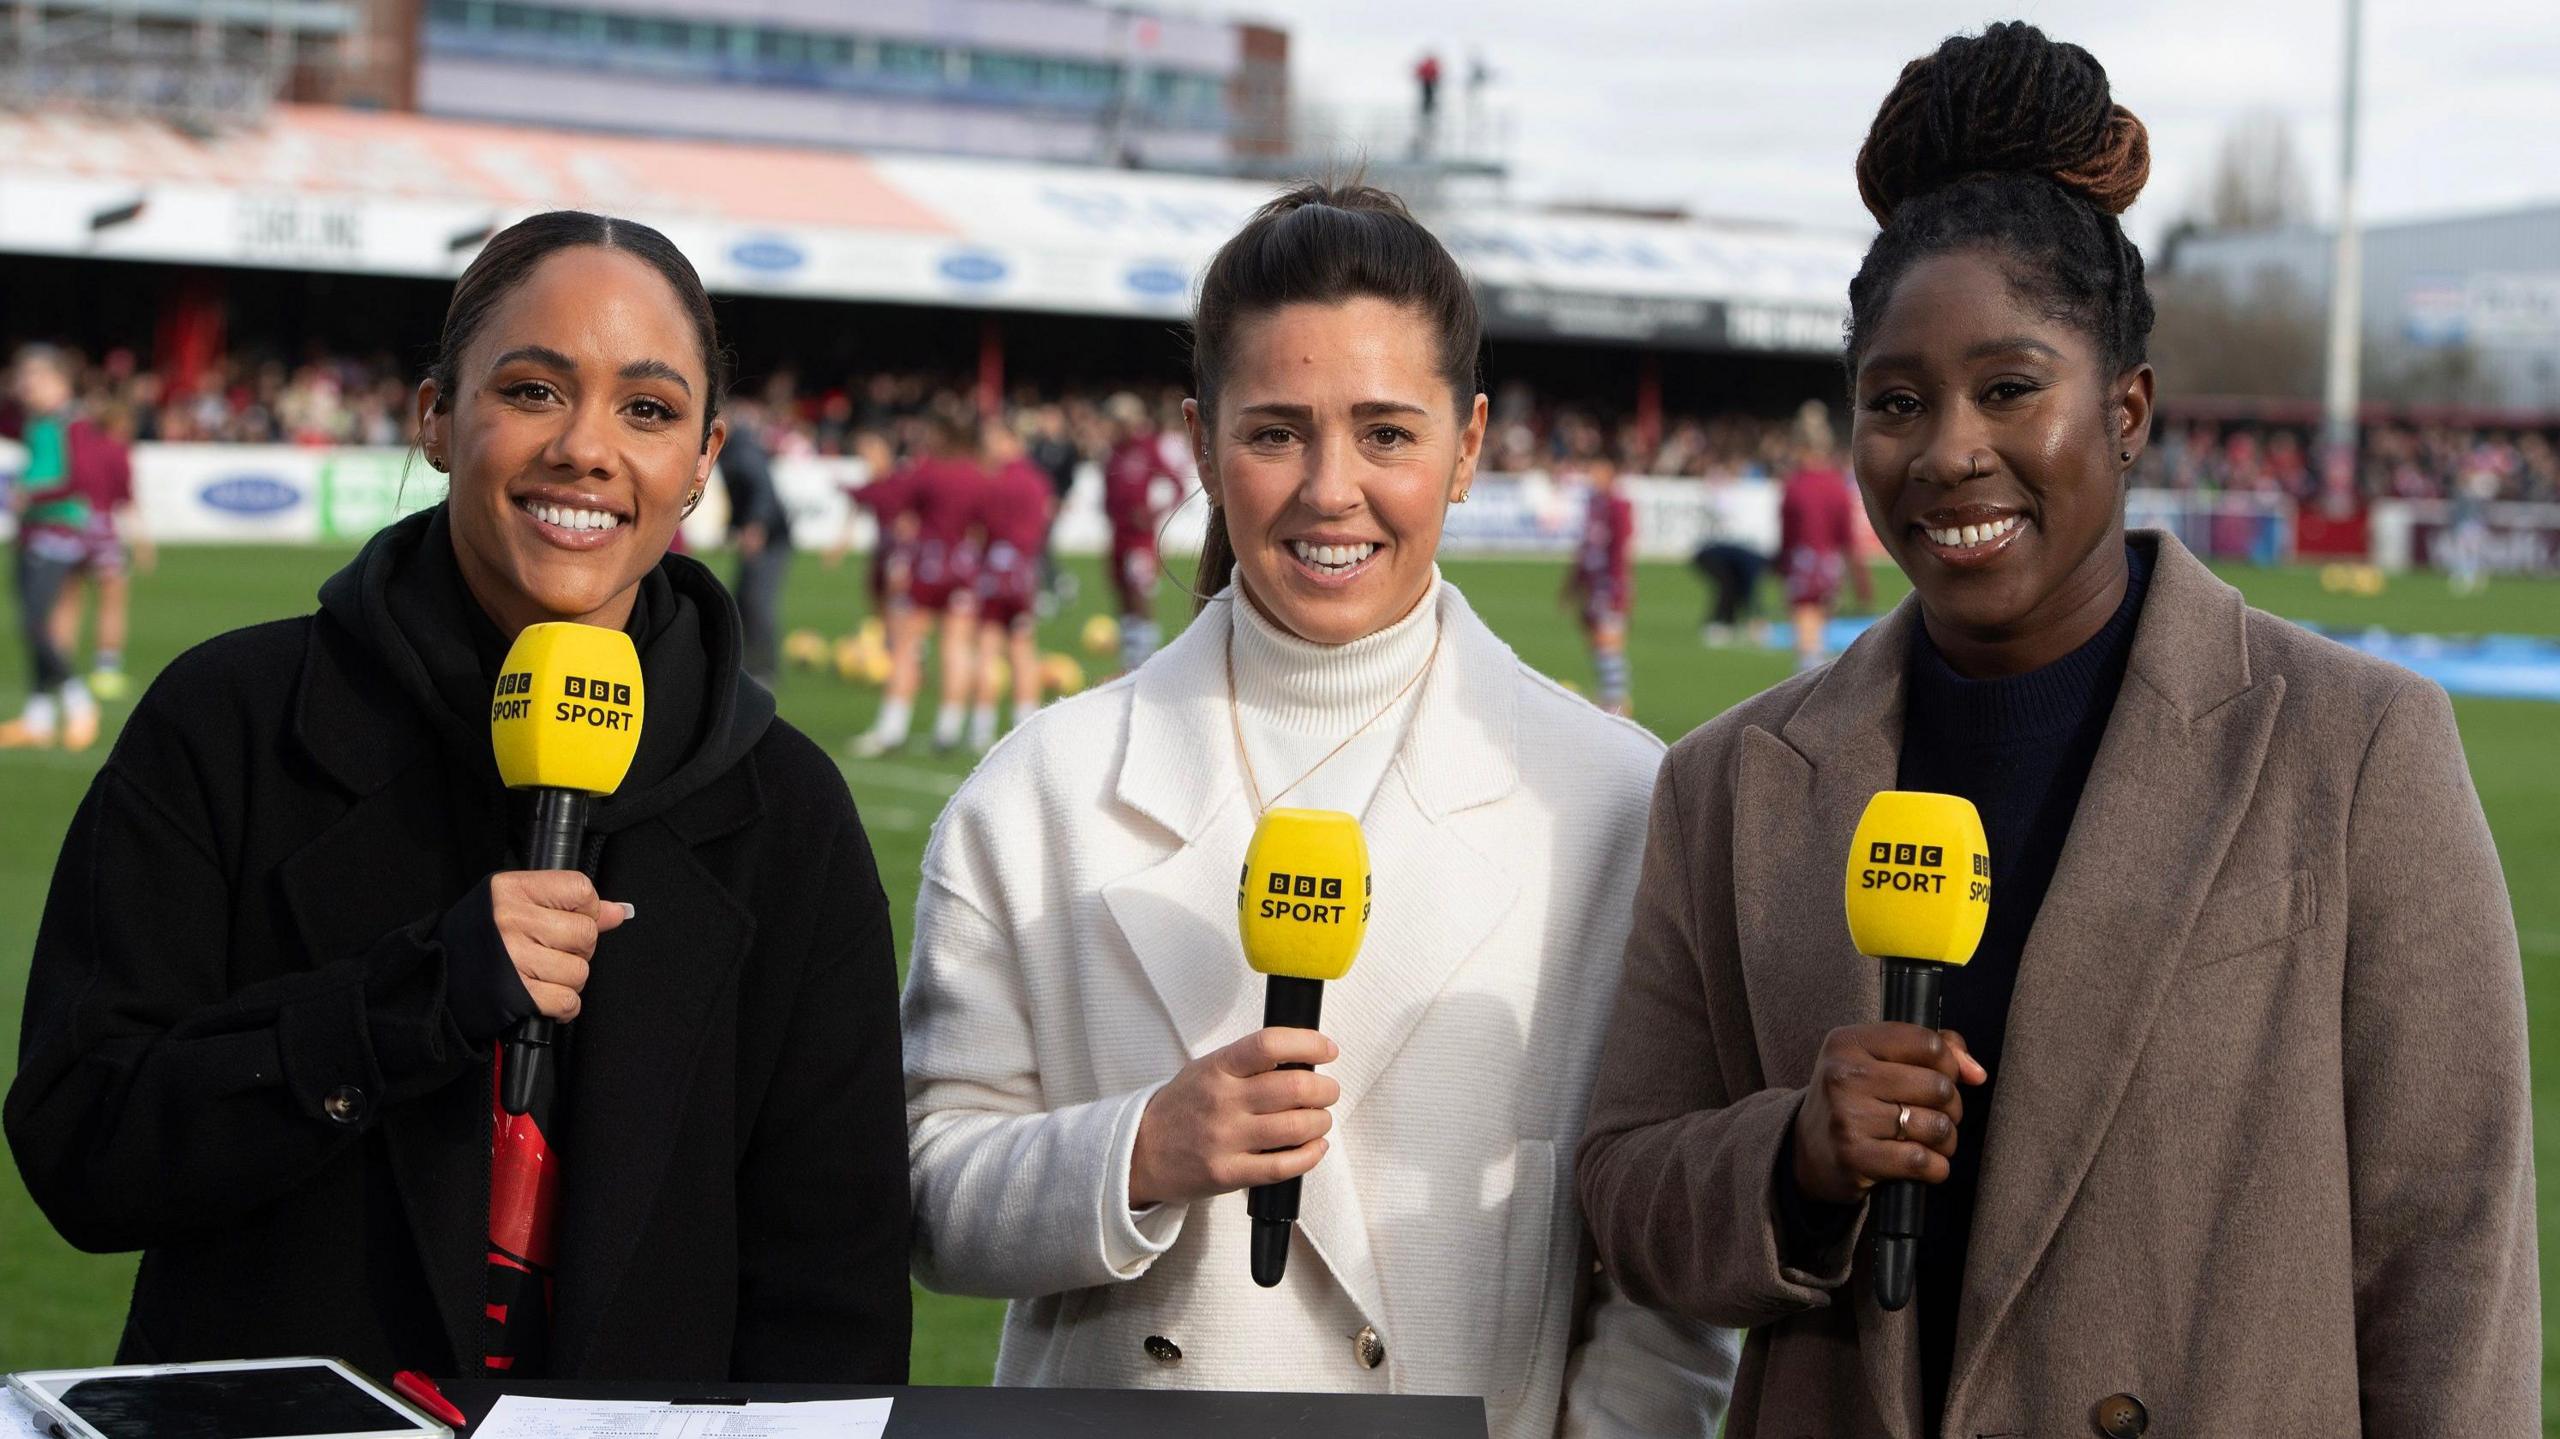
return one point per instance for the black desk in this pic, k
(940, 1413)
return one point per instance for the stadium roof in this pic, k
(334, 189)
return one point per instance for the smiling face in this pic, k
(1335, 450)
(1988, 443)
(574, 435)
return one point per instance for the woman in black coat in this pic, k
(287, 928)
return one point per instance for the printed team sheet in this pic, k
(516, 1416)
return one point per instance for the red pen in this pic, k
(422, 1391)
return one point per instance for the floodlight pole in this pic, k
(2346, 270)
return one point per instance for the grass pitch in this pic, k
(59, 1307)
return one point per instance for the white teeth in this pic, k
(1967, 536)
(571, 519)
(1332, 557)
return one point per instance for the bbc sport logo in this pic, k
(1926, 856)
(603, 692)
(1305, 886)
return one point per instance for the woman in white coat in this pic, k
(1088, 1083)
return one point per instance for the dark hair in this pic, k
(2009, 142)
(512, 254)
(1322, 243)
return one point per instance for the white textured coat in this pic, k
(1076, 944)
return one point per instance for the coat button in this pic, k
(1368, 1348)
(344, 1104)
(2119, 1416)
(1163, 1350)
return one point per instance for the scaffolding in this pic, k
(201, 64)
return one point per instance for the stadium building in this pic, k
(2467, 306)
(1017, 191)
(1057, 80)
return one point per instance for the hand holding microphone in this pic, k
(1248, 1114)
(565, 724)
(550, 920)
(1866, 1075)
(1883, 1108)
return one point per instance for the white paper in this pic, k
(518, 1416)
(19, 1419)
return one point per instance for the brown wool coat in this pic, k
(2263, 1152)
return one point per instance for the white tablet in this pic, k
(308, 1398)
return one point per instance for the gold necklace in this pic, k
(1235, 717)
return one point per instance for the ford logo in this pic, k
(1156, 279)
(770, 253)
(972, 267)
(250, 495)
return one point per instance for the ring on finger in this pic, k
(1902, 1123)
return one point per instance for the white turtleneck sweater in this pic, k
(1298, 699)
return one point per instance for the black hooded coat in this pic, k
(241, 1051)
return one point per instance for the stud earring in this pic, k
(2125, 455)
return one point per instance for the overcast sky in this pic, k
(1755, 108)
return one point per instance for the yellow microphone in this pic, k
(1919, 892)
(1302, 905)
(565, 722)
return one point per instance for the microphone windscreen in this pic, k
(566, 714)
(1919, 882)
(1302, 903)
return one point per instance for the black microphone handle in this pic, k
(1288, 1003)
(1914, 992)
(552, 841)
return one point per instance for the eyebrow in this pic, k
(656, 370)
(1988, 349)
(636, 370)
(2013, 345)
(1363, 410)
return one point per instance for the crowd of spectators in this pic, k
(319, 400)
(340, 399)
(2394, 461)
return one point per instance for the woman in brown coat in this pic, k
(2229, 1130)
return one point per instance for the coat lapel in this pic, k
(1798, 798)
(342, 898)
(656, 988)
(1178, 769)
(1440, 892)
(2172, 780)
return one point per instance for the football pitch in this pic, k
(60, 1307)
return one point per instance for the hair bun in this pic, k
(2007, 101)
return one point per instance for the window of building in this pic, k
(1004, 72)
(783, 47)
(659, 36)
(911, 61)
